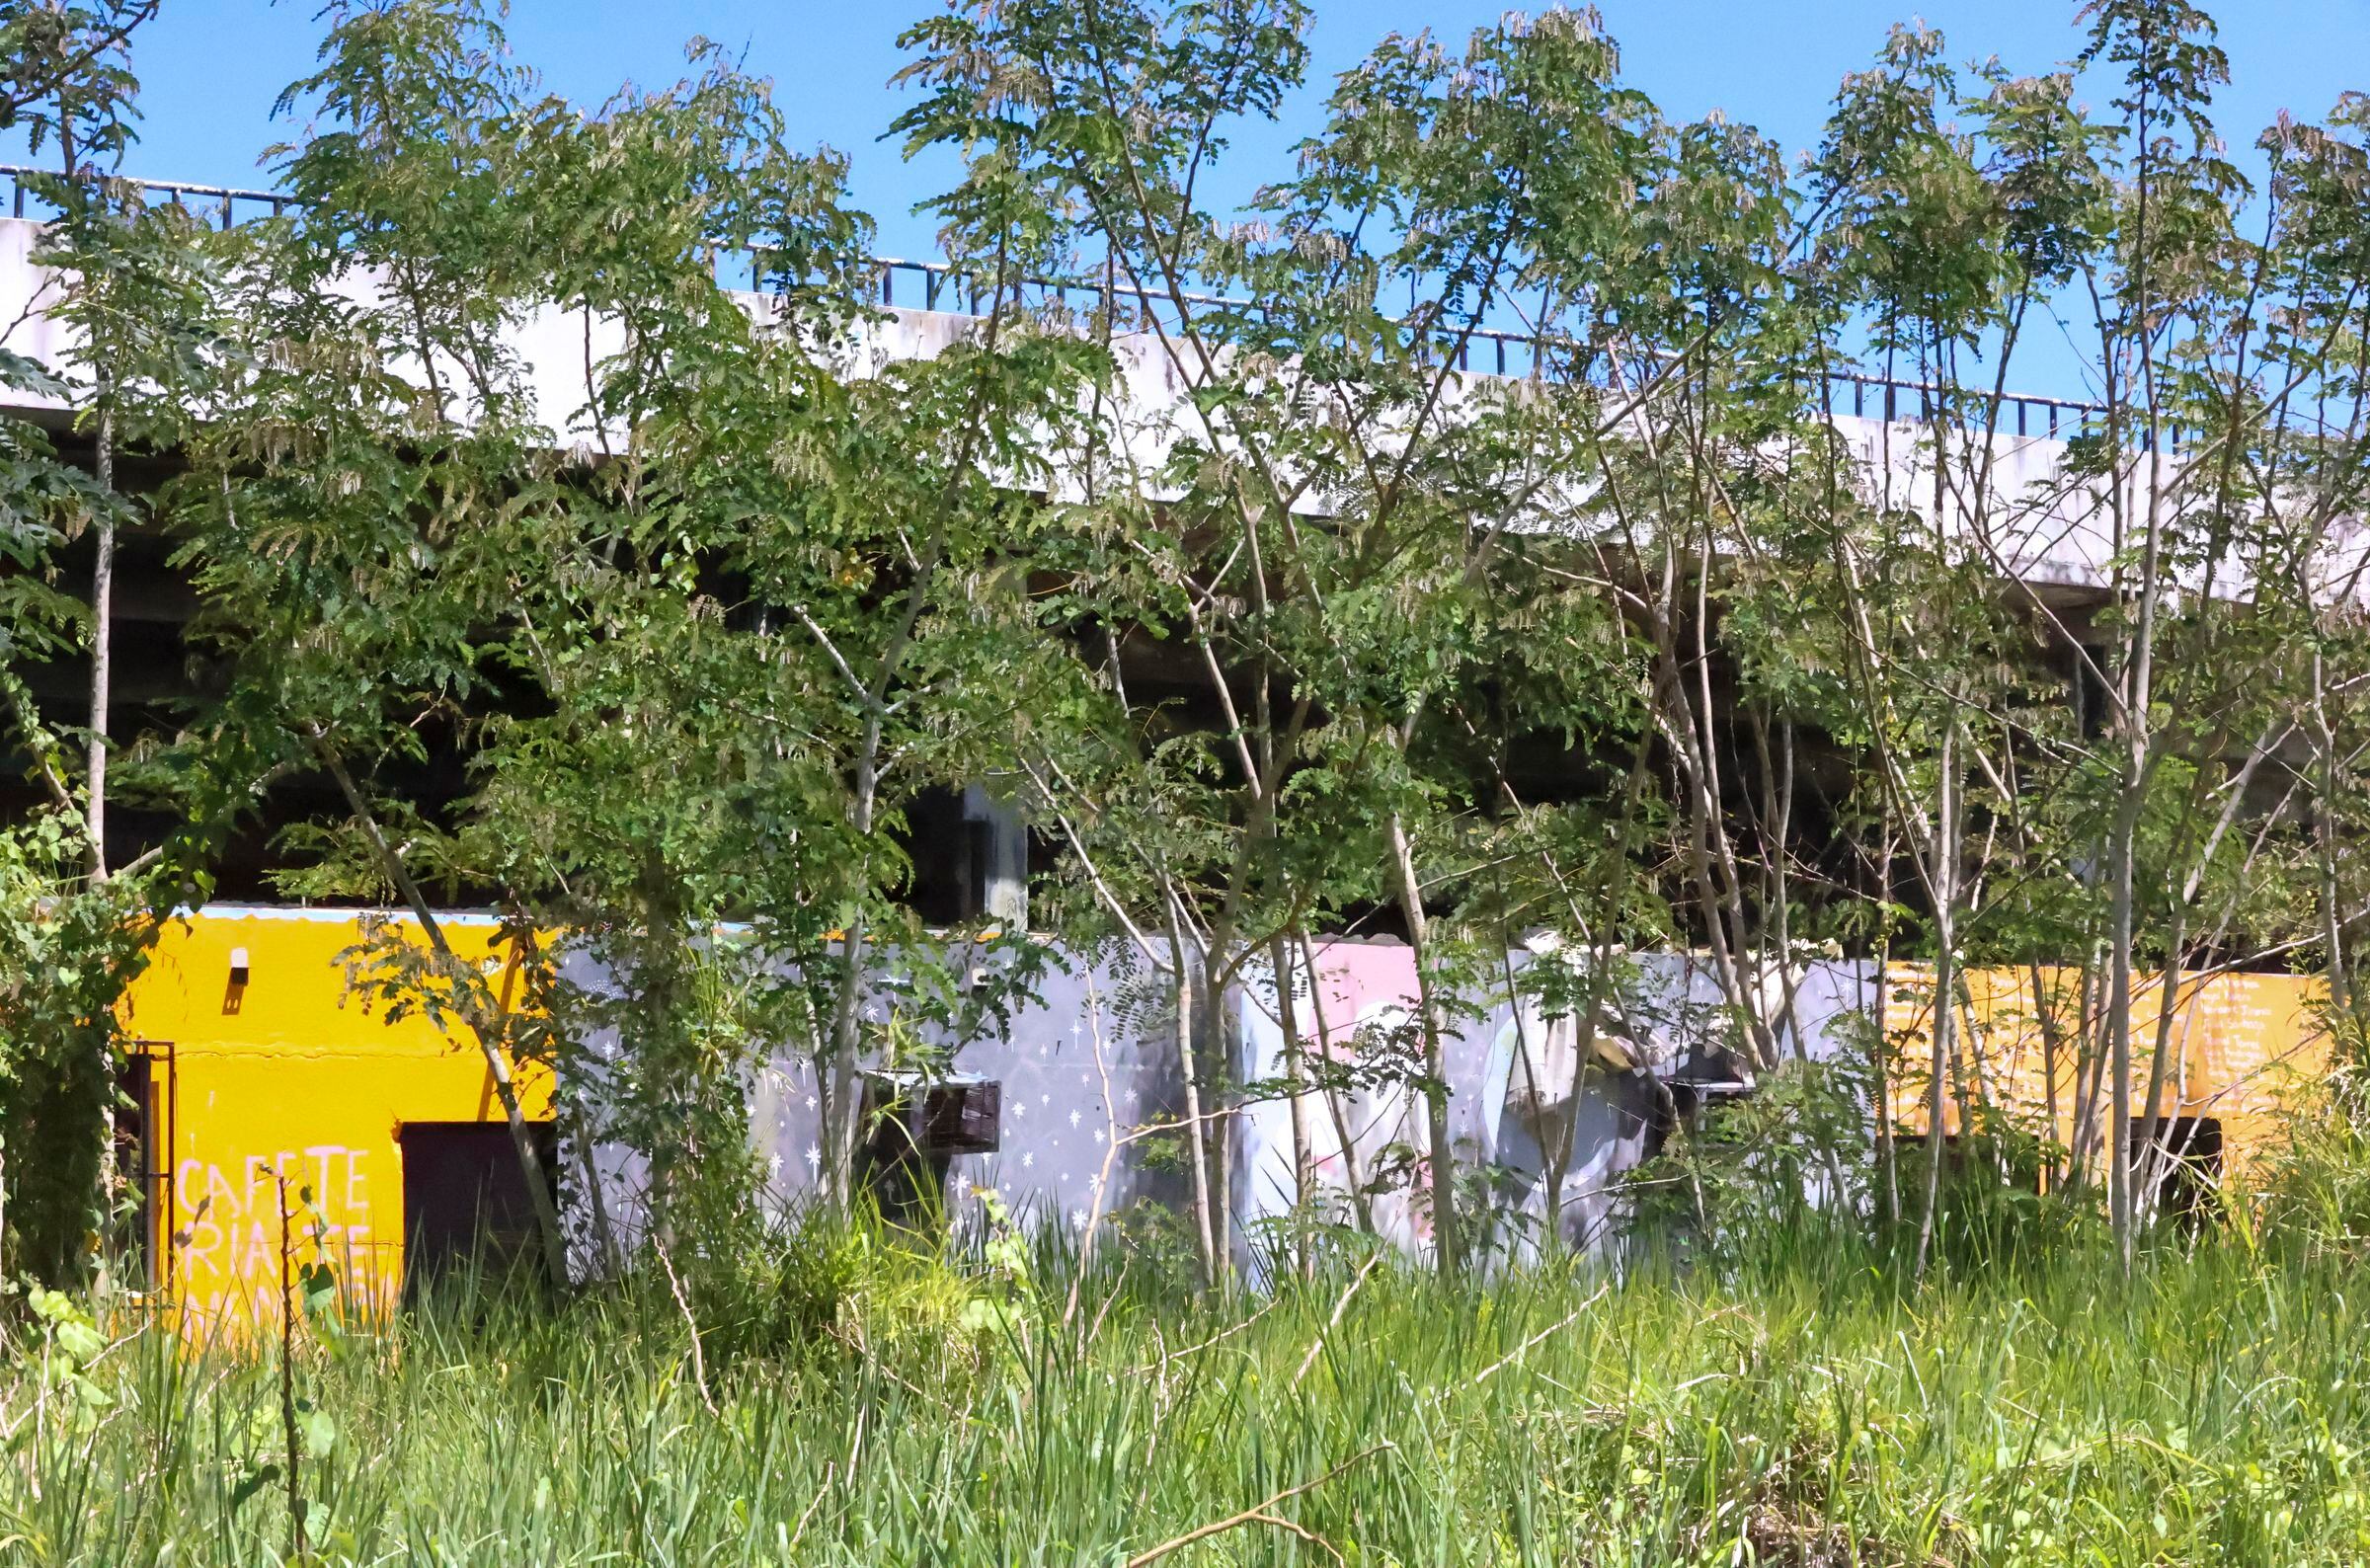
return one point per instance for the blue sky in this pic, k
(212, 68)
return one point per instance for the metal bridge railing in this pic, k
(1880, 397)
(227, 204)
(938, 286)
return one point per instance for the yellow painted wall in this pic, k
(2248, 1049)
(291, 1073)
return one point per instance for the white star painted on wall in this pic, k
(813, 1157)
(1075, 1116)
(1028, 1161)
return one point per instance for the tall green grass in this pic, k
(1807, 1408)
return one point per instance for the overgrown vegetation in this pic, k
(1621, 647)
(1802, 1408)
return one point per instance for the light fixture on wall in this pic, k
(238, 966)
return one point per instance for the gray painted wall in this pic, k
(1092, 1056)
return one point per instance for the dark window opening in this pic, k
(938, 844)
(2093, 700)
(912, 1131)
(965, 850)
(465, 1206)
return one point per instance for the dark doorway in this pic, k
(2183, 1170)
(464, 1199)
(137, 1170)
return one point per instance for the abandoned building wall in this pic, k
(1085, 1022)
(261, 1059)
(2247, 1053)
(1546, 1126)
(262, 1063)
(1088, 1057)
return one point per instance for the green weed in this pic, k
(1805, 1407)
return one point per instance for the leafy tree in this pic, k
(1463, 537)
(367, 495)
(704, 599)
(130, 285)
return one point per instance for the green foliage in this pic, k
(1804, 1408)
(70, 86)
(796, 1294)
(65, 1346)
(68, 948)
(1634, 650)
(131, 294)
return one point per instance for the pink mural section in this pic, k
(1356, 1014)
(1546, 1134)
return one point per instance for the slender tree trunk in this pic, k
(2332, 920)
(1888, 1149)
(103, 622)
(490, 1031)
(1440, 1155)
(2119, 1022)
(291, 1439)
(1942, 878)
(103, 625)
(2044, 1012)
(1217, 1134)
(1304, 1169)
(2148, 1164)
(2139, 671)
(2089, 1072)
(1343, 1135)
(2150, 1157)
(843, 1108)
(1196, 1150)
(1553, 1154)
(605, 1236)
(2139, 722)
